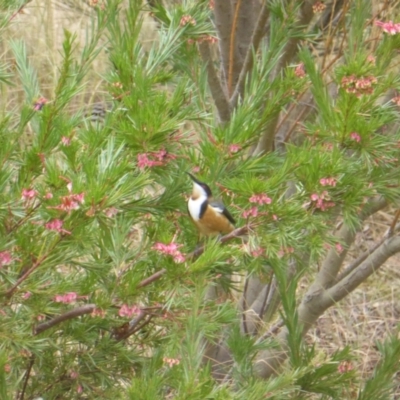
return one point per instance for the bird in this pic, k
(210, 216)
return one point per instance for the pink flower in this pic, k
(396, 100)
(66, 298)
(234, 148)
(258, 252)
(28, 194)
(111, 212)
(345, 366)
(252, 212)
(187, 19)
(56, 225)
(73, 374)
(79, 389)
(26, 295)
(328, 182)
(154, 159)
(5, 258)
(339, 248)
(388, 27)
(41, 101)
(66, 141)
(359, 86)
(170, 249)
(179, 257)
(171, 361)
(48, 196)
(321, 201)
(300, 71)
(126, 311)
(143, 161)
(160, 155)
(260, 199)
(355, 136)
(98, 312)
(70, 202)
(318, 7)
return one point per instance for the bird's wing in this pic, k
(219, 206)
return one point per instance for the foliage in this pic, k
(103, 291)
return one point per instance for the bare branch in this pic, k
(374, 261)
(36, 265)
(258, 34)
(217, 91)
(333, 261)
(76, 312)
(133, 326)
(238, 232)
(358, 261)
(223, 24)
(266, 142)
(21, 395)
(152, 278)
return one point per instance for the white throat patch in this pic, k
(194, 207)
(199, 196)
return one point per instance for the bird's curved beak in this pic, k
(193, 178)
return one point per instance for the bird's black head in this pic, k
(205, 187)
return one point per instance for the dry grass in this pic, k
(368, 315)
(40, 25)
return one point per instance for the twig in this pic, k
(127, 330)
(26, 377)
(393, 224)
(234, 234)
(19, 10)
(371, 264)
(217, 92)
(152, 278)
(232, 46)
(261, 313)
(258, 33)
(244, 306)
(357, 262)
(76, 312)
(10, 291)
(271, 331)
(37, 264)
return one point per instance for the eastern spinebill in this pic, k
(209, 215)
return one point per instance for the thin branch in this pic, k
(373, 262)
(244, 306)
(19, 10)
(271, 331)
(232, 47)
(26, 377)
(333, 261)
(76, 312)
(36, 265)
(261, 313)
(130, 328)
(258, 34)
(234, 234)
(266, 142)
(217, 91)
(222, 13)
(350, 268)
(152, 278)
(394, 222)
